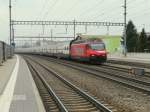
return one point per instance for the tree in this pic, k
(148, 43)
(132, 37)
(142, 41)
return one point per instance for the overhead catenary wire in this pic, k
(74, 4)
(102, 10)
(42, 10)
(111, 13)
(50, 8)
(91, 8)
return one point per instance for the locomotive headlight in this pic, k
(92, 55)
(104, 55)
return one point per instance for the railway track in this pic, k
(50, 100)
(131, 82)
(136, 64)
(63, 95)
(125, 68)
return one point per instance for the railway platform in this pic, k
(18, 92)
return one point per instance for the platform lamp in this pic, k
(125, 28)
(10, 32)
(12, 44)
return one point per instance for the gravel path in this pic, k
(123, 98)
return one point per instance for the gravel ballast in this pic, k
(121, 97)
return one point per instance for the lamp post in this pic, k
(74, 28)
(125, 27)
(10, 31)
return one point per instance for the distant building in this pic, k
(112, 42)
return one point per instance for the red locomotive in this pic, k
(92, 50)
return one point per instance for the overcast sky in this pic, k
(80, 10)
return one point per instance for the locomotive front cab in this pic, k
(97, 52)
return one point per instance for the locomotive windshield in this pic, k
(99, 46)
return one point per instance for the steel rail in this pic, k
(99, 105)
(137, 64)
(123, 69)
(90, 71)
(50, 90)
